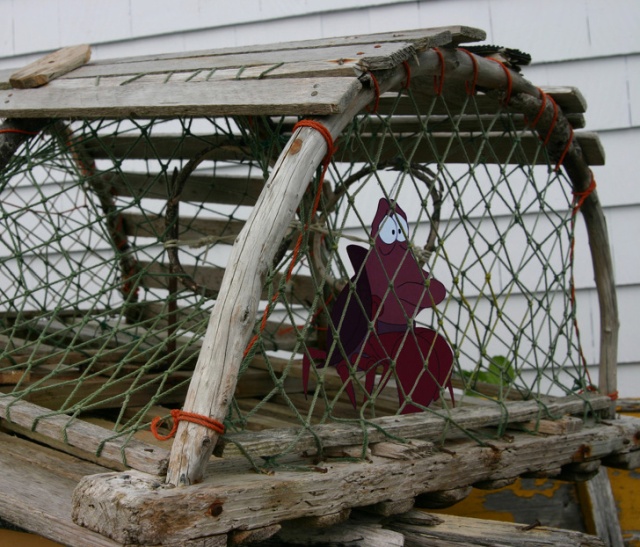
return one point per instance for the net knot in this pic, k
(180, 415)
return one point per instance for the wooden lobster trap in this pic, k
(207, 238)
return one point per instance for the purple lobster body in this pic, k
(390, 288)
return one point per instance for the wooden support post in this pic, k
(599, 509)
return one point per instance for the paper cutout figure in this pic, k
(390, 289)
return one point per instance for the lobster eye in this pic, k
(388, 231)
(403, 228)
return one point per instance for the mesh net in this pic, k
(116, 235)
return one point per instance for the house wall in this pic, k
(590, 44)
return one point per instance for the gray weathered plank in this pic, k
(198, 189)
(373, 55)
(151, 225)
(37, 484)
(431, 425)
(81, 438)
(299, 287)
(134, 506)
(453, 531)
(471, 148)
(306, 96)
(466, 146)
(419, 38)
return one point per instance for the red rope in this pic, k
(331, 149)
(543, 106)
(471, 90)
(376, 90)
(566, 149)
(507, 73)
(181, 415)
(578, 199)
(438, 84)
(407, 69)
(19, 131)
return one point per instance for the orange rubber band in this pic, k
(614, 396)
(438, 84)
(471, 90)
(181, 415)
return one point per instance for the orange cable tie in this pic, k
(181, 415)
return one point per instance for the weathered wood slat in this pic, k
(466, 147)
(453, 531)
(102, 392)
(164, 147)
(275, 336)
(569, 99)
(420, 38)
(141, 508)
(470, 148)
(198, 189)
(36, 485)
(50, 67)
(599, 509)
(81, 438)
(302, 96)
(379, 56)
(416, 426)
(299, 287)
(153, 226)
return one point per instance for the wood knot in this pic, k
(296, 146)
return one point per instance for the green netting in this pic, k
(115, 236)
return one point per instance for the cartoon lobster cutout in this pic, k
(390, 289)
